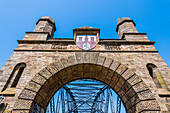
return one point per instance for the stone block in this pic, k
(127, 74)
(149, 105)
(75, 69)
(109, 76)
(43, 93)
(79, 57)
(21, 104)
(114, 65)
(52, 69)
(103, 73)
(114, 80)
(39, 100)
(65, 62)
(86, 57)
(86, 71)
(72, 60)
(45, 73)
(93, 57)
(124, 89)
(121, 69)
(58, 65)
(119, 84)
(107, 62)
(141, 86)
(129, 94)
(39, 79)
(134, 80)
(101, 60)
(27, 94)
(33, 86)
(18, 111)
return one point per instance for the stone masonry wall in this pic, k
(37, 60)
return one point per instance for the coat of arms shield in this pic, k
(86, 42)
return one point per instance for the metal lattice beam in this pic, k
(85, 96)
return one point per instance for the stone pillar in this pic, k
(126, 30)
(125, 25)
(45, 28)
(45, 24)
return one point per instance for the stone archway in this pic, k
(134, 93)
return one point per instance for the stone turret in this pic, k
(45, 24)
(45, 28)
(125, 25)
(126, 30)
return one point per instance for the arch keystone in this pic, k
(86, 57)
(94, 57)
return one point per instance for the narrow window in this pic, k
(19, 70)
(15, 76)
(156, 76)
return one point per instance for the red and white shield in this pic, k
(86, 42)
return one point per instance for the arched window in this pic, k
(156, 76)
(15, 76)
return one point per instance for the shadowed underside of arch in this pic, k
(134, 93)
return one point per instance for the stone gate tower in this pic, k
(41, 64)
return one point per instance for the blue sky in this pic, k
(18, 16)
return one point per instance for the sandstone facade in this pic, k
(53, 62)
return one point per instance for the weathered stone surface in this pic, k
(39, 79)
(107, 62)
(114, 65)
(52, 69)
(33, 86)
(45, 73)
(27, 94)
(58, 65)
(127, 74)
(119, 84)
(86, 57)
(150, 105)
(101, 60)
(94, 57)
(79, 57)
(124, 89)
(72, 60)
(18, 111)
(65, 62)
(140, 87)
(121, 69)
(86, 71)
(23, 104)
(51, 63)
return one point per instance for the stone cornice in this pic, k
(55, 50)
(71, 41)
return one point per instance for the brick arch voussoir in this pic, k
(129, 86)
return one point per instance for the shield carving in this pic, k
(86, 42)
